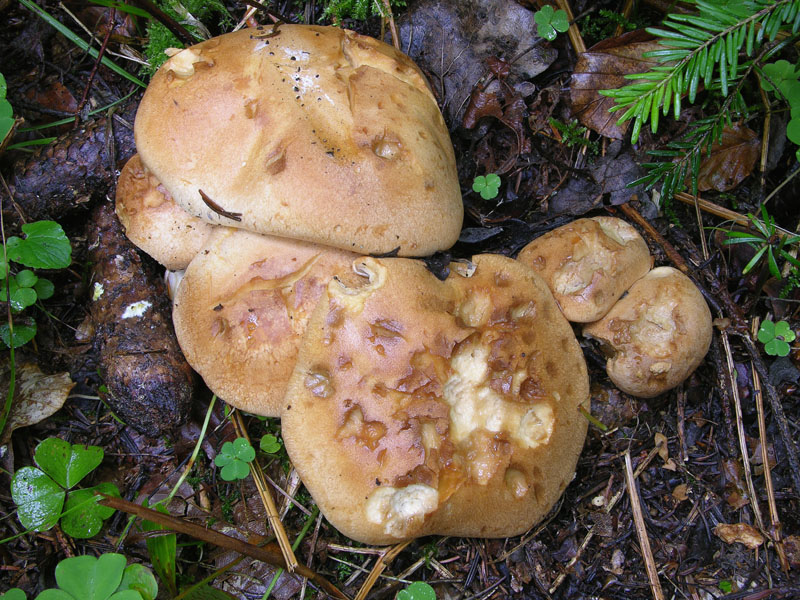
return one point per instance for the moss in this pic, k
(159, 38)
(338, 10)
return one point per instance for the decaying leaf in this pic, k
(37, 396)
(739, 532)
(791, 545)
(603, 67)
(681, 492)
(730, 161)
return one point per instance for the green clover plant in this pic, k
(419, 590)
(45, 246)
(487, 185)
(270, 444)
(43, 495)
(550, 22)
(6, 112)
(782, 76)
(234, 458)
(101, 578)
(775, 337)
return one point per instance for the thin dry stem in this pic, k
(574, 33)
(737, 405)
(269, 504)
(775, 523)
(641, 532)
(383, 561)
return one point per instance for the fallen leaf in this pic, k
(681, 492)
(739, 532)
(603, 67)
(37, 396)
(660, 442)
(730, 161)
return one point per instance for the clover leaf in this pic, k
(45, 246)
(775, 337)
(13, 594)
(419, 590)
(234, 458)
(40, 494)
(550, 21)
(6, 112)
(486, 185)
(269, 444)
(103, 578)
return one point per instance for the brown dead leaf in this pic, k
(660, 442)
(739, 532)
(681, 492)
(604, 67)
(730, 161)
(37, 396)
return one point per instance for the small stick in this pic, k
(380, 565)
(641, 532)
(178, 30)
(626, 13)
(775, 522)
(574, 33)
(100, 53)
(266, 498)
(267, 554)
(233, 216)
(392, 25)
(748, 476)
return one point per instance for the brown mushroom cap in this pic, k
(277, 130)
(425, 407)
(659, 333)
(241, 308)
(589, 264)
(154, 222)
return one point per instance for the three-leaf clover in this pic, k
(270, 444)
(486, 185)
(234, 458)
(550, 21)
(45, 246)
(775, 337)
(102, 578)
(42, 494)
(6, 112)
(419, 590)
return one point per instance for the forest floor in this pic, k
(715, 486)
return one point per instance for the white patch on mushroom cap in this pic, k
(398, 509)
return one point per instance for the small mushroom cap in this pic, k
(659, 333)
(241, 309)
(424, 407)
(277, 130)
(154, 222)
(589, 264)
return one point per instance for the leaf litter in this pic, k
(697, 504)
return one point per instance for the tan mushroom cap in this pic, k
(589, 264)
(425, 407)
(241, 309)
(659, 333)
(279, 126)
(154, 222)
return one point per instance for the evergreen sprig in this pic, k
(701, 47)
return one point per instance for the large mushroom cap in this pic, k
(589, 264)
(267, 129)
(154, 222)
(424, 407)
(241, 309)
(657, 335)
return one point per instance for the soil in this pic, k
(686, 450)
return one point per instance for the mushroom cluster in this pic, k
(270, 161)
(657, 334)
